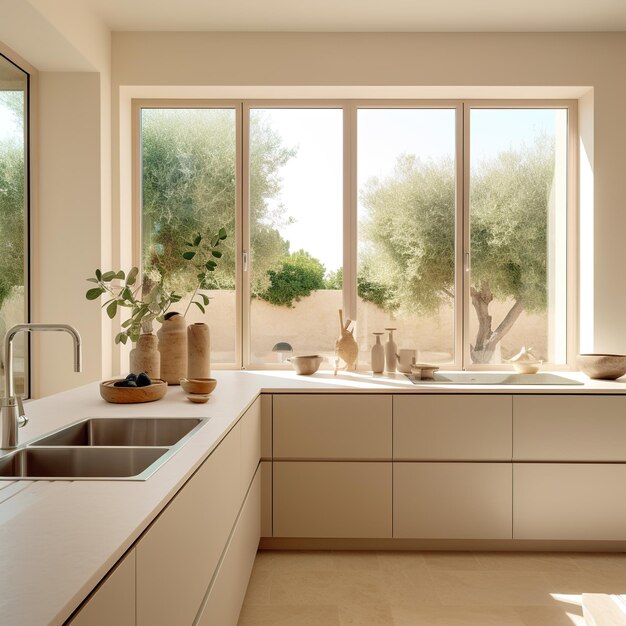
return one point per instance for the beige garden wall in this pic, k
(406, 65)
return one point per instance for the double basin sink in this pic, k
(101, 448)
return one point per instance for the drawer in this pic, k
(452, 500)
(250, 427)
(452, 427)
(569, 428)
(332, 426)
(332, 499)
(266, 499)
(571, 501)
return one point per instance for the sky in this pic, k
(8, 125)
(312, 181)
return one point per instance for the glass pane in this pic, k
(189, 186)
(406, 238)
(296, 217)
(518, 228)
(13, 201)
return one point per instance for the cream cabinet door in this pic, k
(452, 500)
(569, 428)
(332, 499)
(266, 426)
(585, 501)
(228, 590)
(113, 602)
(266, 499)
(332, 426)
(452, 427)
(250, 426)
(177, 556)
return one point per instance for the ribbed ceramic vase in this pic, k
(173, 348)
(145, 356)
(198, 351)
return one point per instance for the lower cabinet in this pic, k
(452, 500)
(228, 589)
(575, 501)
(113, 602)
(266, 499)
(332, 499)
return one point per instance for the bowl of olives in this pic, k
(133, 389)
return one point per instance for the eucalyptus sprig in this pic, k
(143, 309)
(203, 247)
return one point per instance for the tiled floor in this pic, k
(426, 589)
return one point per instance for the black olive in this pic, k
(143, 380)
(131, 376)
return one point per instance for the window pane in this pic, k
(518, 196)
(189, 186)
(406, 238)
(13, 201)
(296, 217)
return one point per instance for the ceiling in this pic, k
(363, 15)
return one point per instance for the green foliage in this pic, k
(206, 250)
(298, 276)
(12, 199)
(123, 293)
(189, 186)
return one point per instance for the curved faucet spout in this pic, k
(9, 389)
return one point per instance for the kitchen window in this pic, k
(451, 221)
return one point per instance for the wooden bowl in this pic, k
(198, 398)
(198, 385)
(132, 395)
(603, 366)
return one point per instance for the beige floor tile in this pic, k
(527, 561)
(488, 588)
(588, 581)
(456, 561)
(409, 587)
(567, 615)
(259, 586)
(366, 561)
(394, 561)
(294, 561)
(455, 616)
(289, 616)
(327, 588)
(612, 564)
(352, 615)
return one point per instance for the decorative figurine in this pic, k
(346, 346)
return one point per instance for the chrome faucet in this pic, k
(12, 414)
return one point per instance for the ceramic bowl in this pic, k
(604, 366)
(526, 367)
(306, 365)
(198, 398)
(424, 371)
(198, 385)
(132, 395)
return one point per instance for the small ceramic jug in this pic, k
(390, 352)
(145, 356)
(378, 355)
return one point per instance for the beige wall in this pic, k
(233, 63)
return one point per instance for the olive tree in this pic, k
(409, 237)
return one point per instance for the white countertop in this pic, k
(58, 539)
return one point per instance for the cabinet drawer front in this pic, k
(228, 590)
(266, 499)
(569, 428)
(332, 499)
(569, 501)
(178, 555)
(332, 426)
(452, 500)
(113, 602)
(250, 426)
(452, 428)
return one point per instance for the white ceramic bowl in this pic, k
(603, 366)
(306, 365)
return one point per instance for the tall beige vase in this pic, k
(173, 348)
(145, 356)
(198, 351)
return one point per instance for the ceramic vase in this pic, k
(390, 352)
(173, 348)
(198, 351)
(145, 356)
(346, 347)
(378, 355)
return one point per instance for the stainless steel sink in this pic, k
(122, 431)
(87, 463)
(101, 448)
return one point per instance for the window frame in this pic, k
(350, 107)
(31, 232)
